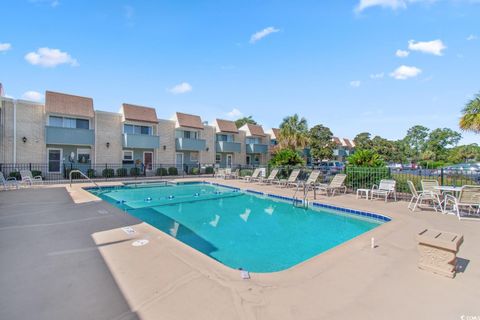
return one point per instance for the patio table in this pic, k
(451, 189)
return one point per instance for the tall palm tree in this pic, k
(293, 132)
(470, 121)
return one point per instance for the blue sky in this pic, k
(363, 65)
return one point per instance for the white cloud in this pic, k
(405, 72)
(377, 75)
(262, 34)
(355, 83)
(391, 4)
(434, 47)
(402, 53)
(235, 113)
(32, 96)
(50, 58)
(472, 37)
(180, 88)
(129, 13)
(5, 47)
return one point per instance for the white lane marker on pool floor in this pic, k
(128, 230)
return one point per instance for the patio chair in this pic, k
(385, 188)
(311, 180)
(291, 179)
(430, 185)
(419, 197)
(337, 183)
(468, 198)
(271, 177)
(253, 177)
(10, 182)
(233, 175)
(28, 178)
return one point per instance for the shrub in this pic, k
(366, 158)
(122, 172)
(162, 172)
(209, 170)
(365, 177)
(108, 173)
(15, 174)
(172, 171)
(91, 173)
(246, 172)
(195, 170)
(135, 172)
(286, 157)
(36, 173)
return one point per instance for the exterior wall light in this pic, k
(164, 147)
(108, 144)
(24, 139)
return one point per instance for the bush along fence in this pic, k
(366, 177)
(53, 173)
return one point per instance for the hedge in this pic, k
(162, 172)
(108, 173)
(122, 172)
(172, 171)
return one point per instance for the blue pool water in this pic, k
(240, 230)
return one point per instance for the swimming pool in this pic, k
(239, 229)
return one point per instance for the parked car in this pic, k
(463, 168)
(330, 166)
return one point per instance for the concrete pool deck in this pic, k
(64, 255)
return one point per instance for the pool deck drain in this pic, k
(97, 274)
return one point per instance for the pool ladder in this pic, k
(304, 201)
(83, 175)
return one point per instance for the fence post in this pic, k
(441, 176)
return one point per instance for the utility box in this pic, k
(438, 251)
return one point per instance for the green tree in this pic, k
(293, 132)
(470, 121)
(384, 148)
(464, 153)
(286, 157)
(363, 141)
(365, 158)
(242, 121)
(321, 142)
(416, 139)
(438, 141)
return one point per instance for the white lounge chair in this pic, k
(28, 178)
(233, 175)
(271, 177)
(469, 198)
(311, 180)
(384, 189)
(291, 179)
(253, 177)
(337, 183)
(9, 182)
(220, 173)
(425, 195)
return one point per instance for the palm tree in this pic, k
(293, 132)
(470, 121)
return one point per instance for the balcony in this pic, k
(185, 144)
(225, 146)
(140, 141)
(72, 136)
(256, 148)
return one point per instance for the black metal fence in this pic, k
(117, 171)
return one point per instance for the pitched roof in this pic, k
(276, 133)
(226, 126)
(189, 120)
(337, 141)
(138, 113)
(68, 104)
(255, 130)
(349, 143)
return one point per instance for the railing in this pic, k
(83, 175)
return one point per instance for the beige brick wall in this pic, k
(31, 125)
(208, 134)
(108, 129)
(166, 131)
(240, 158)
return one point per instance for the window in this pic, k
(134, 129)
(257, 159)
(225, 137)
(194, 156)
(218, 158)
(83, 155)
(252, 140)
(64, 122)
(186, 134)
(127, 155)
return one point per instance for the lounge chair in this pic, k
(311, 180)
(28, 178)
(468, 198)
(337, 183)
(271, 177)
(253, 177)
(425, 195)
(233, 175)
(384, 189)
(430, 186)
(291, 179)
(10, 182)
